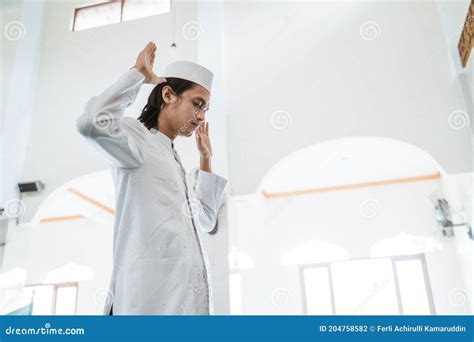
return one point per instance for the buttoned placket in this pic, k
(183, 172)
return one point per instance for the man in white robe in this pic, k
(159, 265)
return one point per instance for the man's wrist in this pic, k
(205, 164)
(141, 71)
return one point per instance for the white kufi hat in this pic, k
(192, 72)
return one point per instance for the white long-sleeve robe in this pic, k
(159, 265)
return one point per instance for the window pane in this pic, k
(412, 287)
(97, 15)
(66, 300)
(42, 299)
(364, 287)
(317, 291)
(235, 289)
(133, 9)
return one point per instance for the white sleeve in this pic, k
(103, 124)
(209, 190)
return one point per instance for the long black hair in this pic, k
(149, 115)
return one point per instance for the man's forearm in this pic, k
(205, 164)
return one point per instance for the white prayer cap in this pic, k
(190, 71)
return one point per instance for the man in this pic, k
(159, 266)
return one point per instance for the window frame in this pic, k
(97, 4)
(57, 286)
(394, 260)
(102, 3)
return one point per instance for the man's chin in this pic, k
(186, 133)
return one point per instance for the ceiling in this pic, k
(9, 5)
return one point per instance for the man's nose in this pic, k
(200, 115)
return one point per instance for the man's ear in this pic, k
(168, 95)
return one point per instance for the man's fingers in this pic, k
(196, 134)
(147, 48)
(150, 47)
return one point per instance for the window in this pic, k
(238, 261)
(54, 299)
(413, 292)
(377, 286)
(319, 299)
(235, 289)
(110, 12)
(365, 287)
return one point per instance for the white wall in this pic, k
(75, 66)
(19, 59)
(266, 229)
(308, 58)
(41, 248)
(20, 45)
(461, 189)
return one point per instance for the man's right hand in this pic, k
(144, 64)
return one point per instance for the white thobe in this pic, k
(159, 264)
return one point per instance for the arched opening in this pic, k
(66, 251)
(336, 206)
(90, 196)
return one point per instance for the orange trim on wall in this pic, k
(270, 195)
(91, 200)
(61, 218)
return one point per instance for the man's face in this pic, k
(190, 110)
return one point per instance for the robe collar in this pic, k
(162, 138)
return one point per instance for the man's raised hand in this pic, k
(144, 64)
